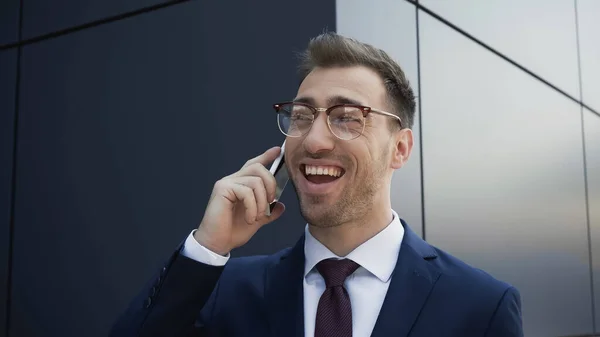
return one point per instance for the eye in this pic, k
(300, 116)
(348, 118)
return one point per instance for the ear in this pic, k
(403, 144)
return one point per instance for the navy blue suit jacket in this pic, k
(431, 294)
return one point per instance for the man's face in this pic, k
(364, 163)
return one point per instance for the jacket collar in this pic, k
(412, 281)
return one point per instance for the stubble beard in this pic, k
(355, 203)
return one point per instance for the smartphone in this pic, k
(279, 170)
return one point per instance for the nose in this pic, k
(319, 138)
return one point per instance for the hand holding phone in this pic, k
(238, 203)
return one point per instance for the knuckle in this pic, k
(245, 189)
(255, 181)
(220, 184)
(250, 182)
(257, 167)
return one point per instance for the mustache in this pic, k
(328, 155)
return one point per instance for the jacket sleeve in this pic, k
(171, 303)
(507, 320)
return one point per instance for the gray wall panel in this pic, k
(9, 21)
(8, 69)
(538, 34)
(592, 144)
(131, 125)
(504, 186)
(391, 26)
(42, 16)
(588, 12)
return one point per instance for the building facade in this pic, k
(117, 118)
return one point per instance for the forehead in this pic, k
(325, 86)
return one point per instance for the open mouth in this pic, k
(321, 174)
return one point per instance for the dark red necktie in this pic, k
(334, 313)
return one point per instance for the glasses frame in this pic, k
(366, 110)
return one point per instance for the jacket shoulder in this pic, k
(464, 276)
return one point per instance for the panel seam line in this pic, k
(499, 54)
(13, 182)
(90, 24)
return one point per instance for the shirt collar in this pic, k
(378, 255)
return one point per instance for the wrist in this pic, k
(208, 244)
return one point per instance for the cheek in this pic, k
(292, 149)
(373, 162)
(291, 145)
(363, 164)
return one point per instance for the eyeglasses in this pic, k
(345, 121)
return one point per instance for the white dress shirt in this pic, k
(367, 286)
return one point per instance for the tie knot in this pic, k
(336, 271)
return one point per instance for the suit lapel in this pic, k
(412, 282)
(284, 293)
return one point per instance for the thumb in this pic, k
(276, 212)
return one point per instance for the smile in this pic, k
(332, 171)
(320, 179)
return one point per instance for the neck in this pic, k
(343, 239)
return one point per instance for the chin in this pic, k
(319, 213)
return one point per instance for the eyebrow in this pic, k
(338, 99)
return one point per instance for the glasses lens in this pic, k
(346, 122)
(294, 120)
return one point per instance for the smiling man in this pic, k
(358, 270)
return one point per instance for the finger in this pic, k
(265, 158)
(258, 170)
(246, 195)
(276, 213)
(260, 192)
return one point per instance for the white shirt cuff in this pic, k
(195, 251)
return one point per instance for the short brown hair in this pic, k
(333, 50)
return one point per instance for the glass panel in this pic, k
(124, 141)
(537, 34)
(9, 21)
(70, 13)
(504, 185)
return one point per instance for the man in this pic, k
(358, 270)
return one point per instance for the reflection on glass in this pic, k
(537, 34)
(504, 184)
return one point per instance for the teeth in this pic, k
(323, 170)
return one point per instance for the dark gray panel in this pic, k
(592, 144)
(504, 185)
(9, 21)
(43, 17)
(380, 27)
(131, 125)
(537, 34)
(8, 69)
(588, 12)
